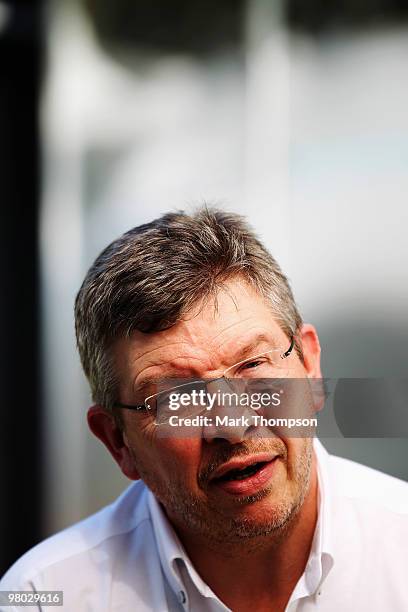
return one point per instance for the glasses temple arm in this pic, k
(288, 352)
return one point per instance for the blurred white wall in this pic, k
(349, 183)
(308, 138)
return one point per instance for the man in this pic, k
(238, 517)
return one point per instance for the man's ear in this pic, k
(311, 350)
(103, 426)
(311, 353)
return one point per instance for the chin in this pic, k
(263, 517)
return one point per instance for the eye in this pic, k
(250, 365)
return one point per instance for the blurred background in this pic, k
(293, 112)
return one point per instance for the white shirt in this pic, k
(128, 558)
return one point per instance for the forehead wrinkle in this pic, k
(155, 348)
(210, 342)
(215, 346)
(261, 327)
(224, 330)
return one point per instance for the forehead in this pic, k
(206, 338)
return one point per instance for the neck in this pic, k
(261, 574)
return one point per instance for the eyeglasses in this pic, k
(272, 364)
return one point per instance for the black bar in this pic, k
(20, 407)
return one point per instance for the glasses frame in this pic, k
(144, 407)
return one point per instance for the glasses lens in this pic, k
(185, 400)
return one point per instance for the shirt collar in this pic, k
(320, 561)
(321, 557)
(323, 535)
(171, 550)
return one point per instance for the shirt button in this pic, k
(182, 597)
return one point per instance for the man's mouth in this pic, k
(245, 475)
(238, 474)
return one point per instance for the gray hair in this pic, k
(154, 274)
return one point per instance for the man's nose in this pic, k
(228, 420)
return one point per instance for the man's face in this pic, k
(183, 473)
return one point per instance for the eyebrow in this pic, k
(157, 379)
